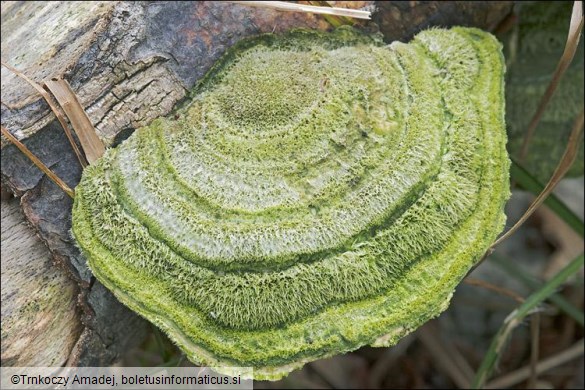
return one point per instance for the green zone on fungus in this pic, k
(319, 192)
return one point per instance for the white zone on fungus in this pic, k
(320, 192)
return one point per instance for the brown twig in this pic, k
(285, 6)
(37, 162)
(53, 107)
(488, 286)
(571, 45)
(523, 373)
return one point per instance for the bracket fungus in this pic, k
(318, 193)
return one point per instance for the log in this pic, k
(40, 323)
(128, 63)
(401, 20)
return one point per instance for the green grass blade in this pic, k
(515, 318)
(558, 300)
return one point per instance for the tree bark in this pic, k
(128, 64)
(40, 322)
(402, 20)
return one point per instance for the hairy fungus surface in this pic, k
(320, 192)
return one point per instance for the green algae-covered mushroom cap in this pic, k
(320, 192)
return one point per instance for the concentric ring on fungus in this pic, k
(320, 192)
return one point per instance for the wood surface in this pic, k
(128, 63)
(40, 320)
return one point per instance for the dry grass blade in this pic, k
(575, 28)
(91, 144)
(516, 317)
(523, 373)
(500, 290)
(333, 20)
(54, 108)
(446, 356)
(292, 7)
(38, 162)
(534, 348)
(564, 165)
